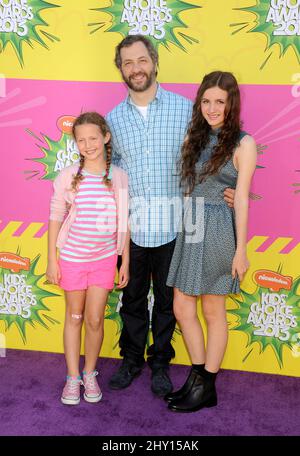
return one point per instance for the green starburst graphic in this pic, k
(56, 156)
(280, 26)
(20, 25)
(243, 311)
(158, 24)
(12, 315)
(112, 310)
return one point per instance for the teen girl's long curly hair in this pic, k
(198, 131)
(95, 119)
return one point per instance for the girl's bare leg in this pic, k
(72, 329)
(96, 299)
(185, 310)
(217, 330)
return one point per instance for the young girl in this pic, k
(216, 154)
(95, 194)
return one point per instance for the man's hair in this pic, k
(131, 39)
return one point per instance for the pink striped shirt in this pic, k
(93, 233)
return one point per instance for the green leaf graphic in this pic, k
(14, 314)
(22, 26)
(159, 28)
(112, 309)
(288, 332)
(280, 24)
(56, 156)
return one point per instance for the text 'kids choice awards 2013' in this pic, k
(278, 21)
(21, 293)
(18, 22)
(60, 153)
(270, 315)
(155, 19)
(285, 17)
(14, 16)
(148, 17)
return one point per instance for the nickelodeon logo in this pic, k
(65, 124)
(272, 280)
(14, 262)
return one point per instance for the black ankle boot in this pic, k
(184, 389)
(202, 394)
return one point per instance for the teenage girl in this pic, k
(93, 195)
(216, 154)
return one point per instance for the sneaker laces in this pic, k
(89, 379)
(72, 384)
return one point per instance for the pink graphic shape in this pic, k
(269, 114)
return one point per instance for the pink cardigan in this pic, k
(62, 203)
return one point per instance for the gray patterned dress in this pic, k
(204, 267)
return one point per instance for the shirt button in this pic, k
(149, 188)
(148, 170)
(147, 152)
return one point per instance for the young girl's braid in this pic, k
(106, 180)
(78, 177)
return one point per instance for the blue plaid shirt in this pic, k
(148, 150)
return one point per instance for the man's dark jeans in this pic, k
(147, 262)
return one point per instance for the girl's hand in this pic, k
(53, 272)
(123, 276)
(240, 265)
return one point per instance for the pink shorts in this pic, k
(80, 276)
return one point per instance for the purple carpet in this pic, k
(249, 403)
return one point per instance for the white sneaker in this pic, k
(71, 391)
(92, 391)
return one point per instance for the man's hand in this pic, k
(229, 196)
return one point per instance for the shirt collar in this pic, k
(158, 96)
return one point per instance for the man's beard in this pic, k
(140, 87)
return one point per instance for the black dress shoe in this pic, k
(124, 376)
(202, 394)
(160, 382)
(183, 390)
